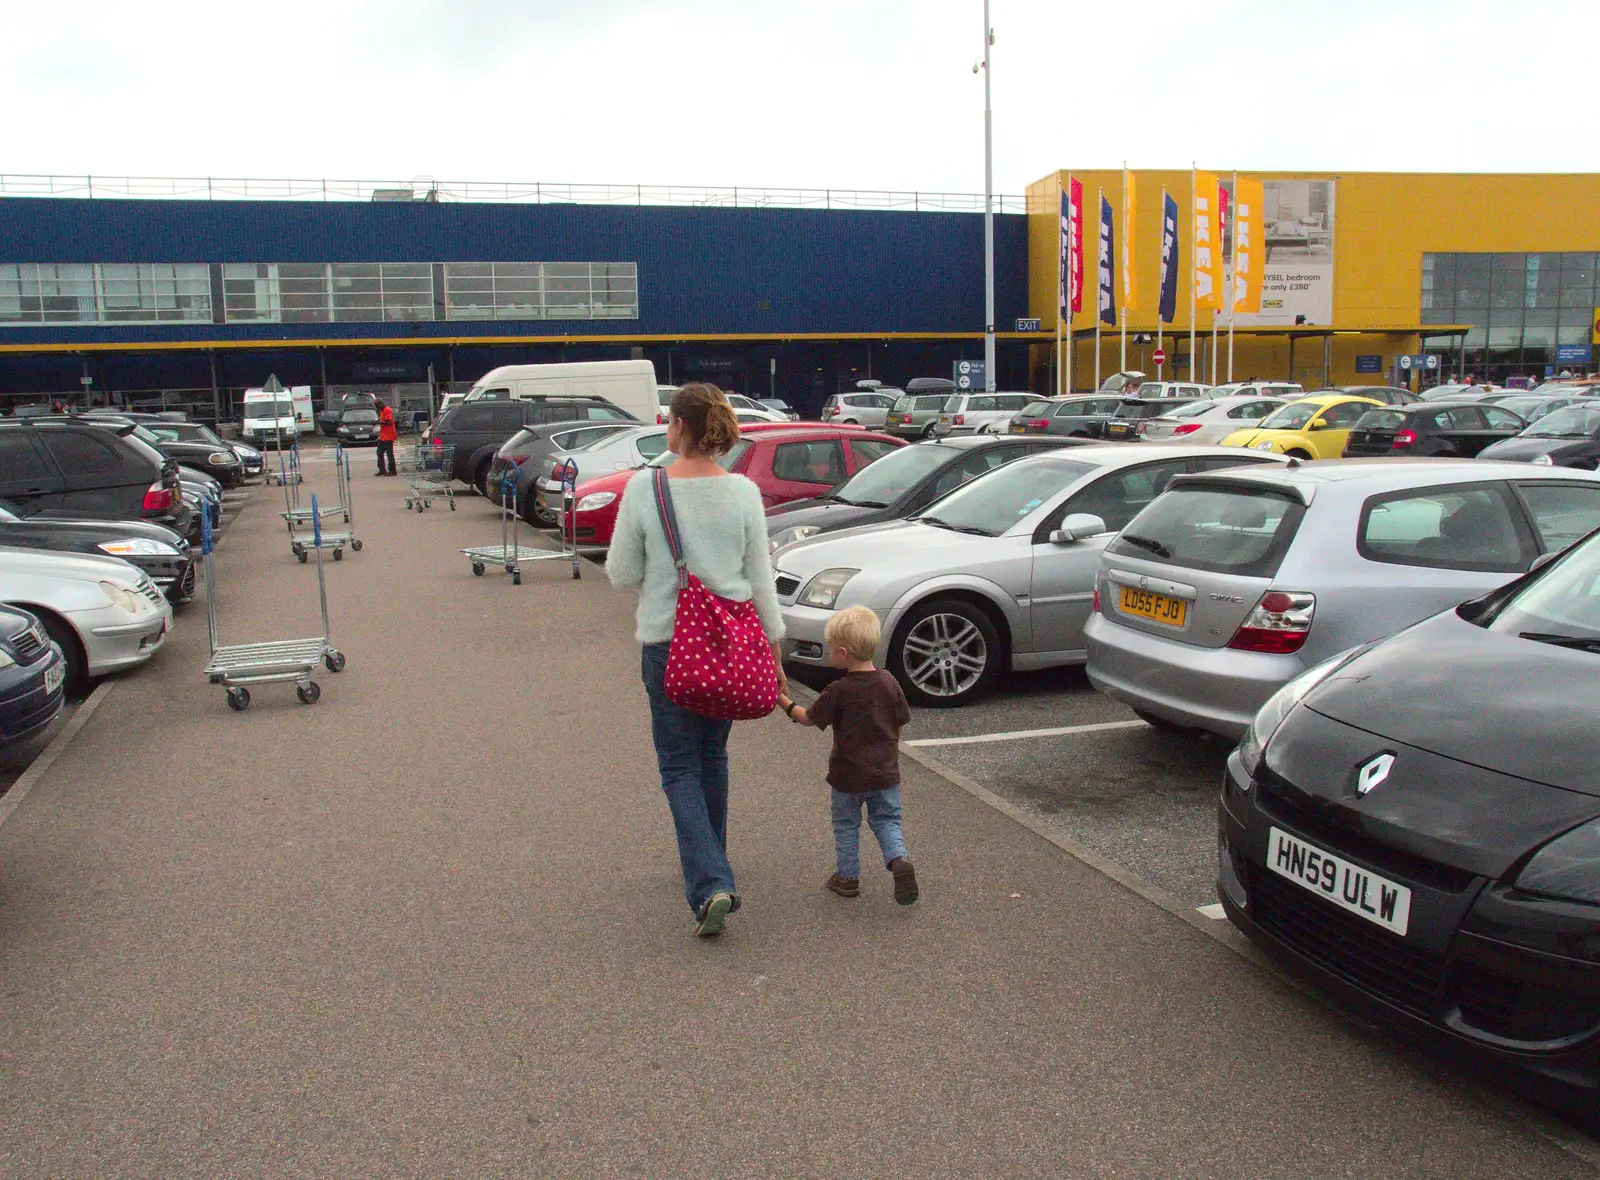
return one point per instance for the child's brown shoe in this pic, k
(844, 886)
(905, 880)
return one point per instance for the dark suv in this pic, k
(478, 429)
(82, 468)
(181, 441)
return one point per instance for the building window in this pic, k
(541, 290)
(84, 293)
(1530, 302)
(322, 292)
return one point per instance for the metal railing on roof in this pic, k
(427, 189)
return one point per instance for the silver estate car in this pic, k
(999, 572)
(1232, 584)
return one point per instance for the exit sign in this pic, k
(1027, 325)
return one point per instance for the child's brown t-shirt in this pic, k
(866, 710)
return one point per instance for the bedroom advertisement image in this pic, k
(1297, 279)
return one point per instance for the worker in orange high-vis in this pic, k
(386, 439)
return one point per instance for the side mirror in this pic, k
(1318, 425)
(1078, 527)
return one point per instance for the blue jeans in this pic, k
(692, 754)
(883, 817)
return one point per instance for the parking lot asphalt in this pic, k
(433, 925)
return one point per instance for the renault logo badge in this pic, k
(1373, 773)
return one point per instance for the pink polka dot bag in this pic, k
(720, 662)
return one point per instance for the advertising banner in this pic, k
(1130, 269)
(1247, 246)
(1075, 237)
(1169, 258)
(1207, 243)
(1108, 267)
(1296, 247)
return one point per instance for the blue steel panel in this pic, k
(700, 270)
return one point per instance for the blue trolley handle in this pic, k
(508, 483)
(569, 477)
(316, 524)
(205, 531)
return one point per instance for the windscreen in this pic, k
(283, 408)
(892, 476)
(1221, 528)
(1138, 410)
(995, 502)
(1563, 604)
(359, 417)
(952, 404)
(1572, 422)
(902, 404)
(726, 462)
(1293, 416)
(1385, 420)
(1035, 410)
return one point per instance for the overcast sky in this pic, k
(803, 93)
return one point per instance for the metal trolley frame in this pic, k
(428, 470)
(237, 666)
(511, 553)
(288, 462)
(293, 515)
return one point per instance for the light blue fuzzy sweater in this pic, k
(724, 534)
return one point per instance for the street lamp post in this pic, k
(988, 213)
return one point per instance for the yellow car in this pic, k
(1311, 428)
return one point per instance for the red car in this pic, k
(786, 460)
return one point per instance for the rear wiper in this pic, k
(1577, 641)
(1149, 543)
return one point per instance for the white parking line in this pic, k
(1015, 734)
(1214, 910)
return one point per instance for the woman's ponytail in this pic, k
(707, 418)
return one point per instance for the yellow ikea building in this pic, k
(1489, 275)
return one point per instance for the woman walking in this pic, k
(723, 537)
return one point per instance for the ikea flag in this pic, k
(1207, 242)
(1108, 266)
(1065, 242)
(1249, 245)
(1169, 258)
(1130, 271)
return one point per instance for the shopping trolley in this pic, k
(511, 553)
(298, 518)
(236, 666)
(428, 470)
(288, 462)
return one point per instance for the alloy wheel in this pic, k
(945, 655)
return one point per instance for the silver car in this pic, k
(972, 413)
(1231, 584)
(869, 407)
(104, 614)
(618, 450)
(1208, 421)
(998, 572)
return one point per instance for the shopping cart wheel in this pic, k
(452, 504)
(477, 569)
(334, 661)
(238, 699)
(355, 544)
(338, 555)
(408, 505)
(419, 505)
(516, 577)
(576, 573)
(308, 692)
(301, 554)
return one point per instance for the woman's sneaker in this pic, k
(844, 886)
(714, 914)
(905, 880)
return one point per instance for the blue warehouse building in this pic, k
(188, 302)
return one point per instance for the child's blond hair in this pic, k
(856, 630)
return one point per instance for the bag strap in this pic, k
(669, 525)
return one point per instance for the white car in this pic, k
(749, 410)
(869, 408)
(976, 413)
(621, 450)
(1207, 421)
(1288, 390)
(104, 614)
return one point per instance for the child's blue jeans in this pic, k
(883, 817)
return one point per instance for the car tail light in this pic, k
(1038, 423)
(1095, 606)
(905, 419)
(1185, 428)
(1279, 623)
(830, 411)
(158, 498)
(959, 420)
(1402, 440)
(661, 419)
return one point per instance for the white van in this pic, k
(267, 416)
(628, 385)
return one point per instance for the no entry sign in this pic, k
(1159, 356)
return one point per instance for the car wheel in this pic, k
(947, 653)
(849, 422)
(927, 431)
(1080, 434)
(1297, 453)
(64, 637)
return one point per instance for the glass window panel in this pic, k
(1578, 262)
(1539, 329)
(66, 293)
(303, 292)
(1508, 263)
(1504, 335)
(1577, 297)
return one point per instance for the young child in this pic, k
(866, 709)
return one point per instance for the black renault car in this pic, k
(902, 482)
(33, 677)
(157, 550)
(1415, 826)
(1562, 438)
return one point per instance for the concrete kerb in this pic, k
(58, 745)
(1548, 1127)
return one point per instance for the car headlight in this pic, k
(1568, 867)
(218, 459)
(1253, 746)
(594, 500)
(823, 590)
(1543, 461)
(137, 547)
(117, 596)
(1264, 445)
(790, 535)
